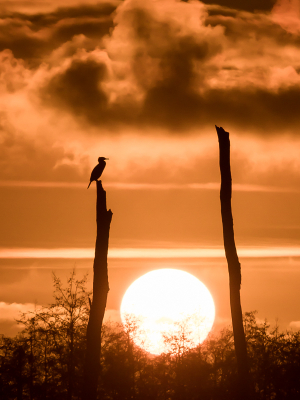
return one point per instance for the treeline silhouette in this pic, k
(46, 360)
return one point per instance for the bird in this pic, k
(97, 171)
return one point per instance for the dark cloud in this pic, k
(261, 110)
(258, 109)
(78, 90)
(46, 19)
(93, 29)
(32, 37)
(15, 35)
(173, 103)
(42, 20)
(179, 70)
(252, 5)
(242, 28)
(25, 48)
(176, 53)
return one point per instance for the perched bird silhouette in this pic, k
(97, 171)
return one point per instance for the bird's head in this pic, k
(102, 159)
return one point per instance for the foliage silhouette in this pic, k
(39, 363)
(53, 345)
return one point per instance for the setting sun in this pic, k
(167, 310)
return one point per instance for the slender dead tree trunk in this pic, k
(234, 267)
(98, 304)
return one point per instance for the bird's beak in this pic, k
(106, 158)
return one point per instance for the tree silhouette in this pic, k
(34, 365)
(234, 267)
(45, 361)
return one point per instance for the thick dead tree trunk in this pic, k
(98, 304)
(234, 267)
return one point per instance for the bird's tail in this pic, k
(89, 184)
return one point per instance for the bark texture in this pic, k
(234, 267)
(98, 304)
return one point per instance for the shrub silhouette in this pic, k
(45, 361)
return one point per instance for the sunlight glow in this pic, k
(167, 311)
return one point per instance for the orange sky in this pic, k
(144, 83)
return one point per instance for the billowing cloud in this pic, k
(181, 66)
(287, 14)
(33, 37)
(144, 81)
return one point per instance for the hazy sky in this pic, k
(143, 83)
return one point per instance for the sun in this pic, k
(167, 311)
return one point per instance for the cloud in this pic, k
(78, 89)
(170, 64)
(175, 66)
(252, 5)
(33, 37)
(9, 313)
(38, 8)
(287, 14)
(12, 311)
(294, 325)
(141, 71)
(146, 82)
(21, 155)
